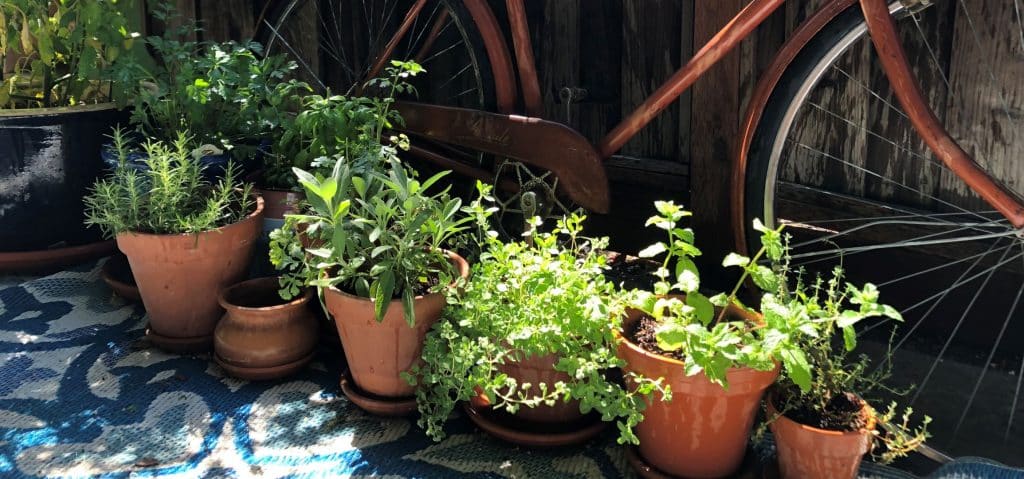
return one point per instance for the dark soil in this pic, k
(630, 272)
(843, 413)
(424, 288)
(643, 335)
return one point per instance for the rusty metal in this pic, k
(725, 40)
(533, 141)
(765, 85)
(883, 34)
(435, 31)
(497, 51)
(524, 57)
(389, 49)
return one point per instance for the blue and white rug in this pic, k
(83, 395)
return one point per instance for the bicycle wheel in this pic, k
(835, 158)
(337, 44)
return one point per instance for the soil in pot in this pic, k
(378, 352)
(704, 430)
(262, 336)
(835, 451)
(180, 277)
(561, 424)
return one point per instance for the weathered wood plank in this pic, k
(224, 20)
(650, 54)
(715, 124)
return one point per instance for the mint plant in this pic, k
(170, 197)
(540, 296)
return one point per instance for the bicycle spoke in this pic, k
(459, 42)
(931, 53)
(991, 72)
(887, 103)
(295, 55)
(988, 362)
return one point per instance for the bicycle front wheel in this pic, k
(836, 159)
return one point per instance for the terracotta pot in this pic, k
(536, 370)
(262, 336)
(180, 276)
(378, 352)
(704, 430)
(807, 452)
(278, 203)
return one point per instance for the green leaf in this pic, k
(797, 368)
(688, 281)
(848, 318)
(735, 259)
(383, 290)
(702, 306)
(764, 278)
(849, 338)
(408, 302)
(670, 338)
(652, 250)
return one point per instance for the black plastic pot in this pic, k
(48, 160)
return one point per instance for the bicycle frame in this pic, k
(545, 144)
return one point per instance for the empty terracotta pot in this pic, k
(703, 431)
(807, 452)
(180, 277)
(262, 336)
(378, 352)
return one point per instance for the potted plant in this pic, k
(527, 341)
(373, 241)
(261, 335)
(185, 239)
(56, 103)
(822, 424)
(229, 96)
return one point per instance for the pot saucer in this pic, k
(507, 427)
(118, 275)
(264, 373)
(374, 404)
(52, 259)
(198, 344)
(750, 469)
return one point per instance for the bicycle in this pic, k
(794, 160)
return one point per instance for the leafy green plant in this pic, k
(60, 52)
(172, 197)
(338, 126)
(228, 95)
(541, 296)
(378, 234)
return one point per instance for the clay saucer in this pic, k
(264, 373)
(118, 275)
(373, 404)
(750, 469)
(193, 345)
(52, 259)
(508, 428)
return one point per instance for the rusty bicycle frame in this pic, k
(578, 164)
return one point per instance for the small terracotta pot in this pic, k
(378, 352)
(180, 277)
(262, 336)
(807, 452)
(703, 431)
(278, 203)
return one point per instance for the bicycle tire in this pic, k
(763, 186)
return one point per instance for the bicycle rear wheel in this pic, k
(835, 158)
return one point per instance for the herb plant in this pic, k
(228, 95)
(377, 234)
(338, 126)
(172, 197)
(544, 295)
(60, 52)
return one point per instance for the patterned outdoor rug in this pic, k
(83, 395)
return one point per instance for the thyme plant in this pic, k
(540, 296)
(171, 197)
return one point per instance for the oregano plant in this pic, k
(544, 295)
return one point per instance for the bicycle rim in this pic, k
(836, 159)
